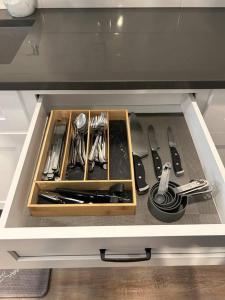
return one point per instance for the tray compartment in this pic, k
(76, 173)
(120, 158)
(56, 115)
(80, 209)
(98, 172)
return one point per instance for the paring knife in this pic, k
(177, 167)
(154, 148)
(140, 151)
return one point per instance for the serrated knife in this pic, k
(154, 149)
(140, 151)
(176, 160)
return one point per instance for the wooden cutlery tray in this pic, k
(118, 170)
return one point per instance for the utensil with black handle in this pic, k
(140, 151)
(176, 160)
(154, 149)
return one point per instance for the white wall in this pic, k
(128, 3)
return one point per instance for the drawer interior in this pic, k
(195, 152)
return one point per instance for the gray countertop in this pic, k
(117, 49)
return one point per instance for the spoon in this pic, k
(81, 123)
(78, 148)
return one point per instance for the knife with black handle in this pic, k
(154, 149)
(176, 160)
(140, 151)
(157, 164)
(141, 186)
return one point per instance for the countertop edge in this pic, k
(111, 85)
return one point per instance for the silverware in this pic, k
(54, 157)
(115, 194)
(78, 144)
(97, 153)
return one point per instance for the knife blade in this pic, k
(140, 151)
(154, 149)
(176, 160)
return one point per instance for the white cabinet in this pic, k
(30, 242)
(10, 148)
(15, 112)
(15, 115)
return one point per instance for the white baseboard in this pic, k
(125, 3)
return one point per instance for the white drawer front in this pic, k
(14, 260)
(14, 113)
(72, 241)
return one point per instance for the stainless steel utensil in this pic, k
(160, 197)
(78, 144)
(172, 206)
(97, 153)
(54, 157)
(195, 187)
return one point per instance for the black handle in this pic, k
(177, 167)
(141, 186)
(157, 164)
(131, 259)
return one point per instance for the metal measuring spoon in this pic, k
(160, 197)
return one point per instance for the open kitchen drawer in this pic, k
(34, 242)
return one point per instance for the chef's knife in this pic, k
(154, 148)
(140, 151)
(177, 167)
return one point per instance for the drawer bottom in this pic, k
(200, 212)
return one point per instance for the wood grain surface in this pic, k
(162, 283)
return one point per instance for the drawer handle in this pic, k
(130, 259)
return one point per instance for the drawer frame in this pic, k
(37, 242)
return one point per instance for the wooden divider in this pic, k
(87, 147)
(85, 184)
(108, 148)
(66, 149)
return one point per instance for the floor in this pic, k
(156, 283)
